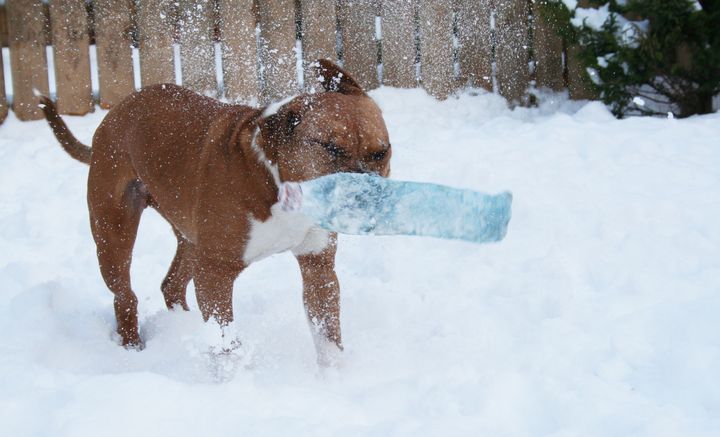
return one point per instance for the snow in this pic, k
(628, 32)
(594, 18)
(596, 316)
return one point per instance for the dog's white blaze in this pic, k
(272, 168)
(273, 108)
(284, 230)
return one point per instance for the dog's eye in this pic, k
(378, 156)
(335, 150)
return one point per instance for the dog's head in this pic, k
(339, 130)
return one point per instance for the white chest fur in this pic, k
(284, 230)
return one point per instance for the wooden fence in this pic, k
(441, 45)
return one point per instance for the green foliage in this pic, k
(665, 52)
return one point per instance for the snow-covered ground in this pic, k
(598, 315)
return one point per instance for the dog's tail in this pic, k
(67, 140)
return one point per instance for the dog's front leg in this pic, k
(214, 287)
(321, 295)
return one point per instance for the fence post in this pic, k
(436, 47)
(156, 25)
(319, 20)
(113, 26)
(26, 28)
(277, 30)
(197, 52)
(511, 50)
(357, 24)
(69, 24)
(239, 50)
(548, 50)
(3, 97)
(475, 42)
(398, 43)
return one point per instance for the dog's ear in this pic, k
(335, 79)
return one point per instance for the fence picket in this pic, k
(436, 45)
(113, 27)
(239, 50)
(197, 51)
(3, 97)
(475, 42)
(511, 51)
(156, 26)
(579, 85)
(4, 33)
(357, 24)
(26, 28)
(277, 31)
(71, 47)
(547, 48)
(3, 27)
(319, 21)
(398, 43)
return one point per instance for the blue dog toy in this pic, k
(364, 204)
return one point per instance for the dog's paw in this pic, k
(131, 343)
(137, 347)
(227, 347)
(223, 361)
(329, 355)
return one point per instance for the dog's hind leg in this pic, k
(174, 286)
(115, 210)
(321, 295)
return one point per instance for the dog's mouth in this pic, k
(290, 196)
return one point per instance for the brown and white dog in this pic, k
(212, 170)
